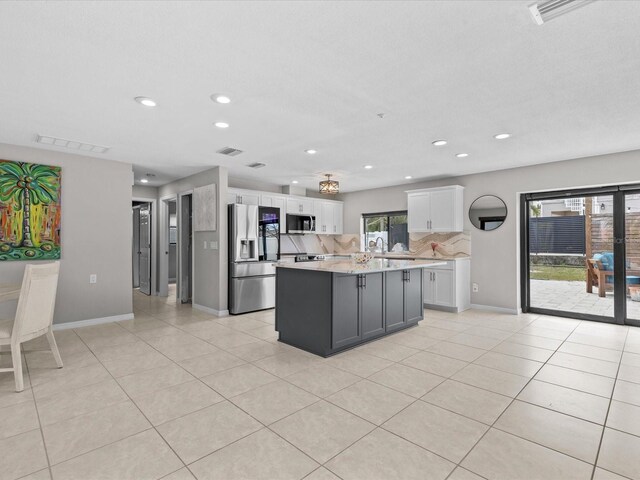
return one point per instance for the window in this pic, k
(385, 230)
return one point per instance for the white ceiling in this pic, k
(315, 75)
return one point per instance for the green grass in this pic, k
(549, 272)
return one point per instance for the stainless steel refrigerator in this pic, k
(254, 245)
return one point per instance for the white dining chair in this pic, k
(34, 316)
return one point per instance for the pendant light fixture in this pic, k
(328, 186)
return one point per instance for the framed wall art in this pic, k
(29, 211)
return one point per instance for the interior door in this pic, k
(145, 249)
(135, 248)
(186, 245)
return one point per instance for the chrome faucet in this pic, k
(381, 246)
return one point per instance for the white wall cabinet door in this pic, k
(300, 206)
(338, 218)
(246, 197)
(274, 201)
(418, 212)
(327, 215)
(442, 215)
(436, 209)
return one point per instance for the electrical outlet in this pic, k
(475, 288)
(213, 245)
(93, 278)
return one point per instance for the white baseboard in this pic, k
(92, 321)
(217, 313)
(512, 311)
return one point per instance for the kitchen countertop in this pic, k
(351, 267)
(416, 257)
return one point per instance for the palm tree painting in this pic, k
(29, 211)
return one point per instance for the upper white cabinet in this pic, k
(328, 217)
(299, 206)
(278, 201)
(436, 209)
(246, 197)
(329, 213)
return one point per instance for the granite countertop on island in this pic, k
(350, 267)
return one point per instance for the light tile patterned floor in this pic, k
(179, 394)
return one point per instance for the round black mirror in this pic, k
(487, 212)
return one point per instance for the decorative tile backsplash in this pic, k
(453, 244)
(345, 244)
(436, 245)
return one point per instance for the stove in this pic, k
(310, 258)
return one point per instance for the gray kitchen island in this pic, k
(329, 306)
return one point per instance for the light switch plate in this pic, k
(205, 244)
(93, 278)
(213, 245)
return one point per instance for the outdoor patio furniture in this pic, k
(598, 276)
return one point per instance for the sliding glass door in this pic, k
(632, 256)
(581, 254)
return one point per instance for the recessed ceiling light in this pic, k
(294, 181)
(147, 102)
(311, 151)
(221, 125)
(368, 167)
(439, 143)
(218, 98)
(501, 136)
(462, 155)
(408, 177)
(144, 180)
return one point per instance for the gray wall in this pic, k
(96, 235)
(145, 192)
(210, 266)
(495, 254)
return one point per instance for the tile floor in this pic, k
(178, 394)
(573, 297)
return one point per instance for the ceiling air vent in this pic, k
(71, 144)
(544, 11)
(257, 165)
(231, 152)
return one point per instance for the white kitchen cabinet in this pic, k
(277, 201)
(246, 197)
(447, 287)
(300, 206)
(436, 209)
(338, 218)
(329, 217)
(329, 213)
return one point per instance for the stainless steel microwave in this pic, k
(301, 223)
